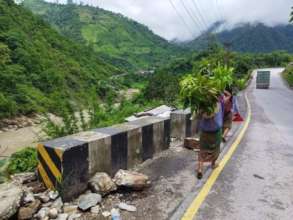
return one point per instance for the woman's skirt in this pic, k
(228, 119)
(210, 143)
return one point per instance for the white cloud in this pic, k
(161, 17)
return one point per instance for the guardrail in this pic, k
(66, 164)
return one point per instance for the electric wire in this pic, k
(182, 18)
(198, 9)
(191, 16)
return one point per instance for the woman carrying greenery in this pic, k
(202, 92)
(210, 127)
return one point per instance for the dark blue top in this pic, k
(215, 123)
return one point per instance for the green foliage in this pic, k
(199, 92)
(23, 161)
(39, 66)
(165, 78)
(120, 40)
(288, 75)
(3, 172)
(99, 115)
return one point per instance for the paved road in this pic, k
(257, 183)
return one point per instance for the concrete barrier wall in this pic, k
(181, 124)
(66, 164)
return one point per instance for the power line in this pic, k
(199, 13)
(218, 11)
(181, 17)
(221, 14)
(191, 16)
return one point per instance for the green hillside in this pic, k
(118, 39)
(40, 70)
(252, 38)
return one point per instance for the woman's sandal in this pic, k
(199, 175)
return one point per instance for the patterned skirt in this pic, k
(228, 119)
(210, 143)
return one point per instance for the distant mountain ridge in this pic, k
(255, 38)
(122, 41)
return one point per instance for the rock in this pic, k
(37, 187)
(58, 204)
(29, 197)
(115, 214)
(95, 209)
(43, 197)
(24, 178)
(10, 198)
(28, 212)
(126, 207)
(102, 183)
(106, 214)
(89, 200)
(63, 216)
(130, 179)
(43, 213)
(53, 195)
(53, 213)
(70, 208)
(74, 216)
(48, 204)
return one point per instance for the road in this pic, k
(257, 183)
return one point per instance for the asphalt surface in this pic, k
(257, 183)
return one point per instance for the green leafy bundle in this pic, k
(200, 93)
(223, 76)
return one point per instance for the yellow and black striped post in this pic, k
(63, 166)
(50, 166)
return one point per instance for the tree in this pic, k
(291, 19)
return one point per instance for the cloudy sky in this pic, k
(185, 19)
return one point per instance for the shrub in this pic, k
(288, 75)
(23, 161)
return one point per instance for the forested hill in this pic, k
(122, 41)
(251, 38)
(40, 70)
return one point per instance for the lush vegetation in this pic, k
(252, 38)
(164, 84)
(288, 75)
(23, 161)
(42, 71)
(98, 115)
(118, 39)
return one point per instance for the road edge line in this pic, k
(192, 210)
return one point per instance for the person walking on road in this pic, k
(228, 115)
(210, 127)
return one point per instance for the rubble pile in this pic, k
(25, 198)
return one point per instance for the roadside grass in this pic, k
(25, 160)
(288, 75)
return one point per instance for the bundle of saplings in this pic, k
(201, 91)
